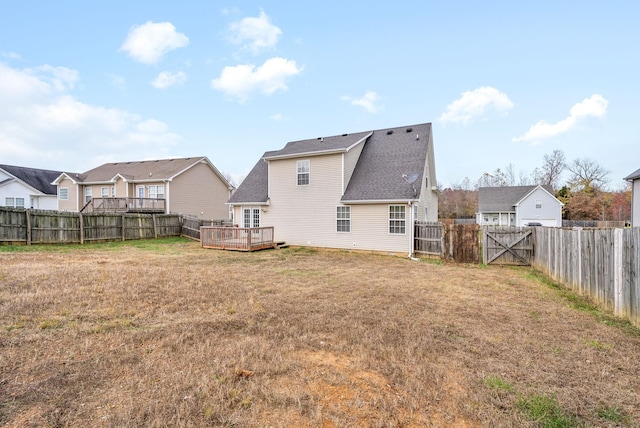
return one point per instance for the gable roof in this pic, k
(141, 171)
(633, 176)
(318, 146)
(388, 155)
(39, 179)
(253, 188)
(503, 199)
(378, 175)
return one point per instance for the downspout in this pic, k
(412, 229)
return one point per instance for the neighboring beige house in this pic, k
(359, 191)
(190, 186)
(518, 206)
(634, 179)
(22, 187)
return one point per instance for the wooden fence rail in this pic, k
(24, 226)
(603, 264)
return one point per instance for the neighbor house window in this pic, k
(343, 219)
(8, 202)
(64, 193)
(19, 202)
(113, 191)
(156, 192)
(303, 172)
(397, 219)
(538, 203)
(105, 192)
(87, 194)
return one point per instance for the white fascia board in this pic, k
(378, 201)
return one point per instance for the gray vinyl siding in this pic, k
(350, 161)
(200, 192)
(549, 215)
(635, 204)
(428, 198)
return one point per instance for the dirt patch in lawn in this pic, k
(169, 334)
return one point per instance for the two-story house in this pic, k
(360, 191)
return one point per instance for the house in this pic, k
(190, 186)
(634, 179)
(518, 206)
(22, 187)
(360, 191)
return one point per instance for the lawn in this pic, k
(164, 333)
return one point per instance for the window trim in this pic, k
(343, 219)
(538, 204)
(397, 225)
(303, 169)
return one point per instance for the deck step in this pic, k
(281, 244)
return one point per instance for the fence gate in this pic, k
(507, 245)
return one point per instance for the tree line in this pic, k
(585, 193)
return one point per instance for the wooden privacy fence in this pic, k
(454, 242)
(55, 227)
(507, 245)
(603, 264)
(236, 238)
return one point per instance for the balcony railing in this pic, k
(124, 205)
(236, 238)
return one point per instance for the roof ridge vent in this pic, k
(389, 132)
(409, 129)
(344, 135)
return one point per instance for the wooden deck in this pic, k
(124, 205)
(236, 238)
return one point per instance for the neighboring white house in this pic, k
(359, 191)
(518, 206)
(634, 179)
(22, 187)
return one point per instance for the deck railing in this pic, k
(236, 238)
(124, 205)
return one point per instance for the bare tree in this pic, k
(552, 168)
(587, 175)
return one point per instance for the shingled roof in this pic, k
(388, 154)
(633, 176)
(39, 179)
(149, 170)
(503, 199)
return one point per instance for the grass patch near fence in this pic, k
(165, 333)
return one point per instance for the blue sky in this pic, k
(88, 82)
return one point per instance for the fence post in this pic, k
(123, 226)
(81, 218)
(28, 218)
(155, 228)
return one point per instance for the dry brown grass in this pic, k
(168, 334)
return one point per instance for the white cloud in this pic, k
(595, 106)
(277, 117)
(240, 80)
(254, 33)
(45, 126)
(166, 79)
(10, 55)
(476, 104)
(367, 101)
(147, 43)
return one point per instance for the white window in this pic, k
(113, 191)
(104, 192)
(251, 217)
(538, 204)
(87, 194)
(19, 202)
(303, 172)
(64, 193)
(397, 219)
(343, 219)
(9, 202)
(156, 192)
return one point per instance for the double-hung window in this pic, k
(343, 219)
(156, 192)
(104, 192)
(397, 219)
(303, 172)
(538, 203)
(87, 194)
(64, 193)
